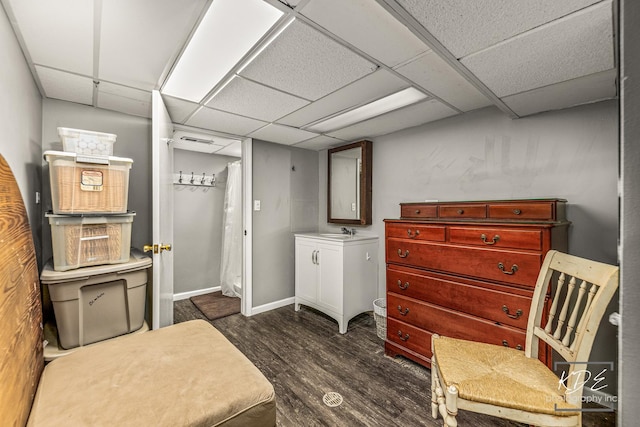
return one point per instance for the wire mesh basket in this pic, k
(380, 316)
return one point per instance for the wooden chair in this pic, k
(512, 384)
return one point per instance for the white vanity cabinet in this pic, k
(336, 274)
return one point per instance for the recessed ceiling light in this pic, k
(229, 29)
(383, 105)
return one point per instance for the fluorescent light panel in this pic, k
(229, 29)
(383, 105)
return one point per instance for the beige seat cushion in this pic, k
(499, 376)
(187, 374)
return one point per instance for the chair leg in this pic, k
(442, 401)
(435, 381)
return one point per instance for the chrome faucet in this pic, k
(350, 232)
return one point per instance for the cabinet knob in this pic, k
(506, 344)
(403, 312)
(514, 268)
(403, 338)
(493, 241)
(517, 211)
(460, 211)
(417, 211)
(401, 255)
(413, 235)
(513, 316)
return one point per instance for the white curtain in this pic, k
(231, 263)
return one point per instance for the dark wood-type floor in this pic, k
(304, 357)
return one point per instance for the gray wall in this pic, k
(197, 222)
(21, 123)
(133, 141)
(570, 154)
(285, 180)
(629, 369)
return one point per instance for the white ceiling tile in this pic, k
(221, 121)
(179, 109)
(139, 37)
(568, 48)
(304, 62)
(464, 26)
(367, 26)
(66, 86)
(234, 150)
(124, 99)
(369, 88)
(414, 115)
(436, 76)
(321, 142)
(58, 34)
(242, 96)
(282, 134)
(591, 88)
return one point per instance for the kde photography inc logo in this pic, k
(594, 380)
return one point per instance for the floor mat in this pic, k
(215, 305)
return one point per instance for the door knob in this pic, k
(166, 247)
(148, 248)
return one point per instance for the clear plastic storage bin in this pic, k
(79, 186)
(87, 142)
(82, 241)
(98, 303)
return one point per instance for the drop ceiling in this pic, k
(328, 57)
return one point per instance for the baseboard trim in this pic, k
(186, 295)
(271, 306)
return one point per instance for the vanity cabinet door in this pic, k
(330, 274)
(306, 269)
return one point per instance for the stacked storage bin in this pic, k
(94, 283)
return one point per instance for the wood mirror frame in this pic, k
(363, 181)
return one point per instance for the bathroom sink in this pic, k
(336, 235)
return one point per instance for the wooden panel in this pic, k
(452, 323)
(20, 310)
(418, 211)
(415, 231)
(409, 336)
(522, 211)
(462, 211)
(497, 237)
(460, 296)
(515, 267)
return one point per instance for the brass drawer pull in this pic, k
(513, 316)
(506, 344)
(414, 234)
(403, 338)
(403, 312)
(401, 286)
(514, 268)
(417, 211)
(517, 211)
(460, 211)
(406, 253)
(493, 241)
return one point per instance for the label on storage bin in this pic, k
(91, 180)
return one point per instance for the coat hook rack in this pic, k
(204, 181)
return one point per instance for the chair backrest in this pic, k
(581, 291)
(21, 360)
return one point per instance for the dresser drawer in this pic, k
(498, 304)
(417, 210)
(410, 337)
(451, 323)
(516, 267)
(497, 237)
(523, 211)
(415, 231)
(462, 211)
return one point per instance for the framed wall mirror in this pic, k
(349, 187)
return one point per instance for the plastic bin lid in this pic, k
(85, 158)
(137, 261)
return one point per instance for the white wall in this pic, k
(21, 123)
(285, 180)
(133, 141)
(197, 222)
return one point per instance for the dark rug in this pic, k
(215, 305)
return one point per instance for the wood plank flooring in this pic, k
(304, 357)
